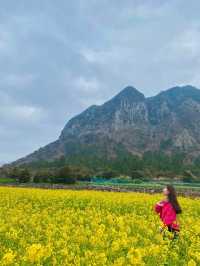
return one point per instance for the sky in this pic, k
(59, 57)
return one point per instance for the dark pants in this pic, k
(174, 231)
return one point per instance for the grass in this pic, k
(146, 184)
(150, 185)
(4, 180)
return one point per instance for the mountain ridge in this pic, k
(168, 121)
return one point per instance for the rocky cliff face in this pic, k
(129, 122)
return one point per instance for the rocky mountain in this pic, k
(131, 123)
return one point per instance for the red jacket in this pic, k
(167, 214)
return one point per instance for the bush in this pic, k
(188, 177)
(137, 181)
(14, 173)
(107, 174)
(65, 175)
(136, 174)
(43, 176)
(81, 173)
(24, 176)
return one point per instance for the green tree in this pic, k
(136, 174)
(24, 176)
(14, 173)
(65, 175)
(43, 176)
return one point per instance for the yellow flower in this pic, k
(54, 227)
(8, 258)
(115, 246)
(192, 263)
(119, 261)
(35, 253)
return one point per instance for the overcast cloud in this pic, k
(59, 57)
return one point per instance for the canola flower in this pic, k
(86, 228)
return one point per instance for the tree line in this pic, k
(77, 168)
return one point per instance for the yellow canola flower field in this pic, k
(57, 227)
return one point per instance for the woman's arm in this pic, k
(158, 207)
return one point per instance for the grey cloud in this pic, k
(59, 57)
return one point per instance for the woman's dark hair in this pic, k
(173, 199)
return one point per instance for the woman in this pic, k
(168, 210)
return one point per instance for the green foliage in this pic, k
(136, 174)
(189, 177)
(43, 176)
(107, 174)
(70, 174)
(6, 180)
(79, 167)
(165, 144)
(24, 176)
(14, 173)
(65, 175)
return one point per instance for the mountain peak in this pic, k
(131, 94)
(186, 89)
(181, 93)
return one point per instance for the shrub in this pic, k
(42, 176)
(24, 176)
(14, 173)
(107, 174)
(81, 174)
(188, 176)
(136, 174)
(65, 175)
